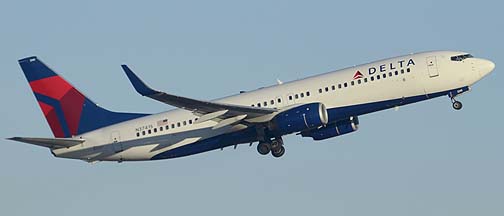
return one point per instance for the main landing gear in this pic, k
(274, 146)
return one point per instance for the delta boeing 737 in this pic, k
(319, 107)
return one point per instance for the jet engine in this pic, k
(307, 116)
(336, 129)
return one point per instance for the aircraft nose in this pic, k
(486, 66)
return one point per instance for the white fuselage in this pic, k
(405, 76)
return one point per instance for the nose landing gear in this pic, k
(457, 105)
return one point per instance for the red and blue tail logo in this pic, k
(67, 110)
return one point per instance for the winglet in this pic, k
(137, 83)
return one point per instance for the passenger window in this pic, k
(272, 102)
(253, 105)
(353, 83)
(396, 73)
(378, 77)
(326, 89)
(178, 124)
(372, 78)
(320, 90)
(160, 128)
(265, 103)
(408, 70)
(359, 81)
(258, 104)
(307, 94)
(345, 84)
(290, 97)
(279, 100)
(402, 71)
(339, 85)
(302, 95)
(190, 121)
(149, 131)
(390, 74)
(143, 133)
(172, 126)
(365, 80)
(155, 130)
(333, 87)
(296, 96)
(384, 75)
(138, 134)
(185, 123)
(167, 127)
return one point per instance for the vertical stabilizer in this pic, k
(65, 108)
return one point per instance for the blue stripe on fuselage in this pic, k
(249, 134)
(340, 113)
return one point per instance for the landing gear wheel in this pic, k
(279, 152)
(457, 105)
(263, 148)
(275, 144)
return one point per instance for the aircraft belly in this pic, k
(216, 142)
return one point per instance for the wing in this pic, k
(52, 143)
(206, 109)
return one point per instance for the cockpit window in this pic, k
(461, 57)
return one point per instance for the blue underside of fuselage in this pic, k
(249, 134)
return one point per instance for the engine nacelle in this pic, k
(300, 118)
(332, 130)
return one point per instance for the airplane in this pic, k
(318, 107)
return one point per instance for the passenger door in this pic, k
(432, 66)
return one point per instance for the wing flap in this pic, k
(53, 143)
(210, 116)
(229, 121)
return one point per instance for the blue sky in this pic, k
(424, 159)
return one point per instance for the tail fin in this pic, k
(67, 110)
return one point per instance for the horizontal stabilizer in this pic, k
(52, 143)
